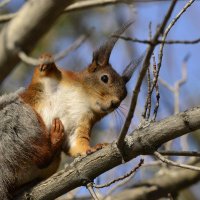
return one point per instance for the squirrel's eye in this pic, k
(104, 78)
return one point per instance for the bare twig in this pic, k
(157, 88)
(149, 78)
(76, 44)
(195, 41)
(33, 61)
(120, 184)
(92, 192)
(170, 162)
(121, 177)
(148, 99)
(142, 75)
(180, 153)
(147, 107)
(165, 84)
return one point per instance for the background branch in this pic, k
(176, 164)
(60, 55)
(195, 41)
(180, 153)
(21, 34)
(168, 181)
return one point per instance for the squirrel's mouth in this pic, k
(107, 109)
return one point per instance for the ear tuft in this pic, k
(102, 54)
(92, 67)
(131, 67)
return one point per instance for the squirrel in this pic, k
(55, 113)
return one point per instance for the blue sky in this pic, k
(105, 20)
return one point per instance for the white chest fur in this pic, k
(68, 103)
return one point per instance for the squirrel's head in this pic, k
(105, 87)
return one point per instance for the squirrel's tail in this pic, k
(5, 186)
(4, 194)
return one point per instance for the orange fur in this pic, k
(79, 99)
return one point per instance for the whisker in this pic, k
(124, 104)
(116, 120)
(115, 114)
(122, 112)
(124, 108)
(121, 117)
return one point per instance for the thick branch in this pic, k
(142, 141)
(23, 31)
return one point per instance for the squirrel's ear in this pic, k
(130, 68)
(102, 54)
(92, 67)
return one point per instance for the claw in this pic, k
(96, 148)
(47, 62)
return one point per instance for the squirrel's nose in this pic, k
(115, 103)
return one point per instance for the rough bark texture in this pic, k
(25, 29)
(142, 141)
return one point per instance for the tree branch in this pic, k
(195, 41)
(60, 55)
(176, 164)
(180, 153)
(22, 34)
(142, 141)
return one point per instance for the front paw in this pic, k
(56, 134)
(47, 62)
(96, 148)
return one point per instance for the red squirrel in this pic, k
(78, 99)
(65, 105)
